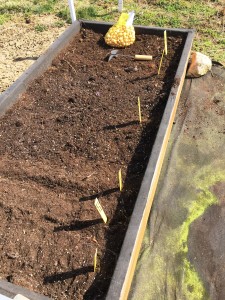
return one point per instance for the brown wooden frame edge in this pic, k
(125, 267)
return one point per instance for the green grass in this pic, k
(58, 24)
(64, 14)
(87, 12)
(40, 27)
(4, 18)
(33, 7)
(203, 15)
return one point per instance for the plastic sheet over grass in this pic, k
(183, 252)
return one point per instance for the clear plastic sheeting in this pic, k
(183, 252)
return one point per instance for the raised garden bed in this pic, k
(62, 144)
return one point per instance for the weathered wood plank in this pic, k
(11, 290)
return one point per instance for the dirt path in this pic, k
(21, 44)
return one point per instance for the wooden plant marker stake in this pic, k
(100, 210)
(120, 5)
(120, 180)
(160, 64)
(139, 109)
(165, 42)
(95, 259)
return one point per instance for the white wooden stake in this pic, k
(72, 10)
(120, 5)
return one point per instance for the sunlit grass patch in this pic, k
(4, 18)
(203, 16)
(87, 12)
(40, 27)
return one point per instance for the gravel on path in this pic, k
(22, 42)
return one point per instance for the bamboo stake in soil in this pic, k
(95, 259)
(165, 42)
(100, 210)
(160, 64)
(139, 109)
(120, 180)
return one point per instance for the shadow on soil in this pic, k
(135, 173)
(98, 195)
(78, 225)
(117, 126)
(67, 275)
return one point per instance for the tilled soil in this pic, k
(62, 146)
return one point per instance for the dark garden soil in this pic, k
(62, 146)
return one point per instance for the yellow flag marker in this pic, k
(165, 41)
(95, 259)
(160, 64)
(100, 210)
(120, 180)
(139, 109)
